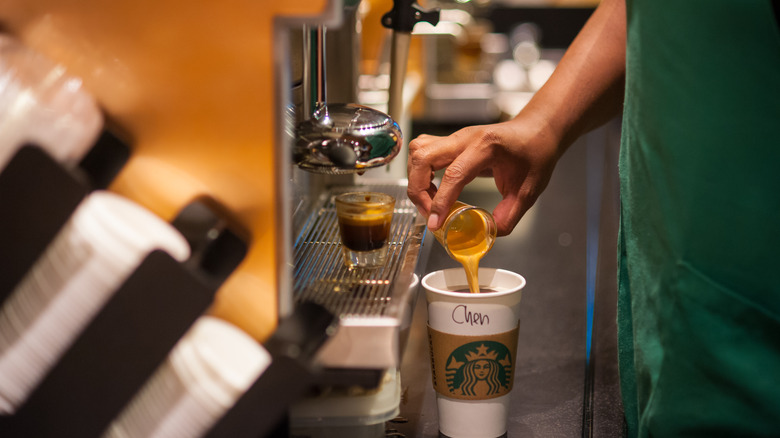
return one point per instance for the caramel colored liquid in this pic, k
(468, 241)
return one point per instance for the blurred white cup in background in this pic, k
(40, 103)
(103, 242)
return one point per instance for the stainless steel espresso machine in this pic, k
(338, 148)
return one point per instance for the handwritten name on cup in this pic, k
(462, 315)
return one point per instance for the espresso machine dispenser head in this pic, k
(346, 138)
(343, 138)
(349, 138)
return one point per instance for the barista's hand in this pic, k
(518, 154)
(585, 91)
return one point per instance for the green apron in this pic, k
(699, 245)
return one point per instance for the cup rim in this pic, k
(429, 288)
(387, 198)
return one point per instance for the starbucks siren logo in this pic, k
(481, 369)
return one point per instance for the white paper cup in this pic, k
(473, 345)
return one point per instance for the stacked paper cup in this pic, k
(41, 104)
(207, 371)
(102, 243)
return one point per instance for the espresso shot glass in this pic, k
(364, 226)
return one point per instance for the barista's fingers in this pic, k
(460, 172)
(519, 191)
(422, 140)
(420, 188)
(424, 206)
(431, 193)
(424, 154)
(507, 214)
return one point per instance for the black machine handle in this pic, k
(406, 13)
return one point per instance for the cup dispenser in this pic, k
(173, 132)
(134, 331)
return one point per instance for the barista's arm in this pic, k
(585, 91)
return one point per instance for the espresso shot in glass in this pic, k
(364, 226)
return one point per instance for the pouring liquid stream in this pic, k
(467, 240)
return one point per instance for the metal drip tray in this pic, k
(374, 305)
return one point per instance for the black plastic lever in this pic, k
(406, 13)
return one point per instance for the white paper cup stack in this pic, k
(203, 376)
(102, 243)
(41, 104)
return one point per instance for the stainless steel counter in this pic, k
(565, 247)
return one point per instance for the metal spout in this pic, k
(346, 138)
(343, 138)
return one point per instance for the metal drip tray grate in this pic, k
(373, 304)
